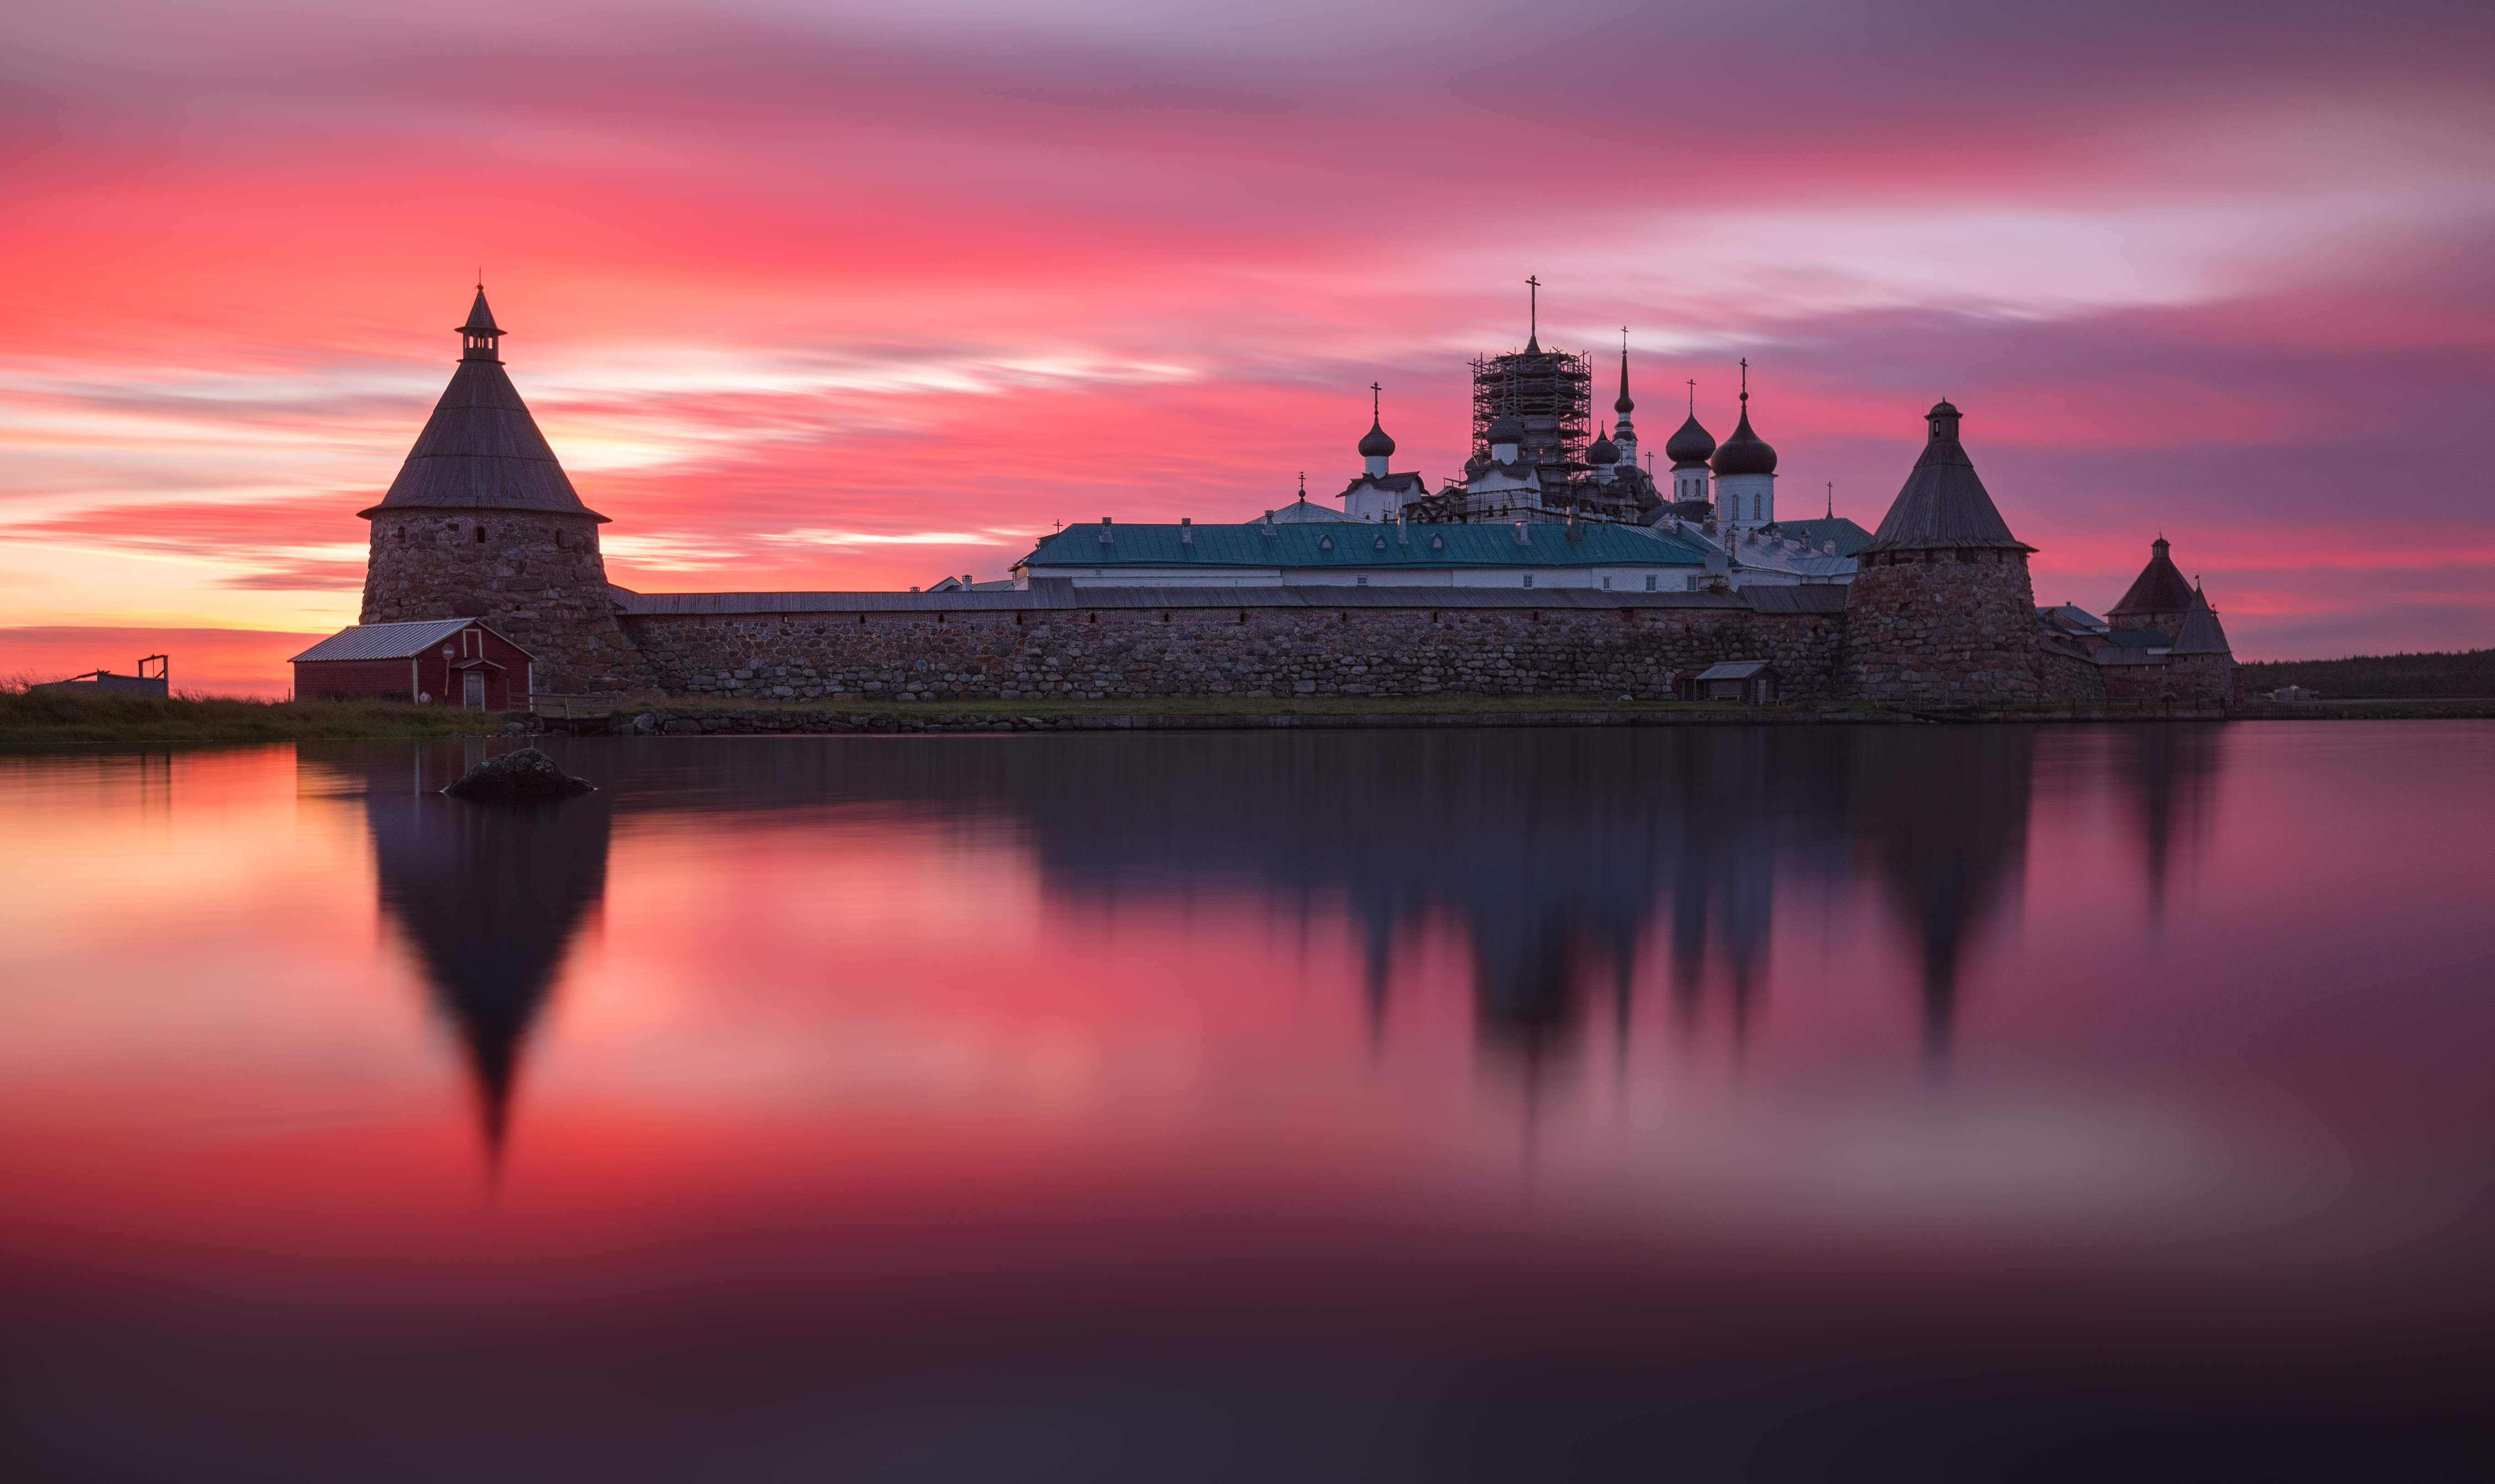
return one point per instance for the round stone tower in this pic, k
(482, 523)
(1941, 612)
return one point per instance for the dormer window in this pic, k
(1325, 543)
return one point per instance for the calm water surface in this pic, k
(1724, 1104)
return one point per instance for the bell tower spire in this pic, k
(1624, 428)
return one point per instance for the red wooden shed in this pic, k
(455, 662)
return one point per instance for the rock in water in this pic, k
(527, 776)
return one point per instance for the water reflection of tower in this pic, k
(1942, 817)
(2172, 773)
(489, 899)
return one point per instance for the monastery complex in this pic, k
(1558, 564)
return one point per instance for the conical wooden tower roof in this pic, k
(480, 450)
(2201, 633)
(2159, 589)
(1943, 503)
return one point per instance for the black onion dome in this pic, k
(1374, 444)
(1504, 430)
(1745, 453)
(1692, 445)
(1603, 451)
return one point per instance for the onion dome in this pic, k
(1745, 453)
(1690, 447)
(1374, 444)
(1504, 430)
(1603, 451)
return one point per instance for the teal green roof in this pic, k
(1820, 529)
(1356, 545)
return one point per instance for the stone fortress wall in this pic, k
(1111, 646)
(1131, 644)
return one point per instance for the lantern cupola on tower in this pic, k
(480, 338)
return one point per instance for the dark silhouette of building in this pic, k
(489, 897)
(1941, 818)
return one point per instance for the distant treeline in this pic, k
(2465, 672)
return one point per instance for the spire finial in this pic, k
(1304, 487)
(1832, 499)
(1375, 391)
(1693, 396)
(1745, 378)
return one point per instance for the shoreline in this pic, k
(110, 722)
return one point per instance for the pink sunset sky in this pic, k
(827, 297)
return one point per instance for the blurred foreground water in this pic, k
(1723, 1104)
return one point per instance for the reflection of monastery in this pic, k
(1562, 562)
(1603, 874)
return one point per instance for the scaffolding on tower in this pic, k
(1552, 393)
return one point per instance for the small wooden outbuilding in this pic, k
(1750, 681)
(454, 661)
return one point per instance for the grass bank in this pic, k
(61, 718)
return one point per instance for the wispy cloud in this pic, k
(819, 297)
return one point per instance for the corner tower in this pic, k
(1941, 612)
(2159, 598)
(482, 523)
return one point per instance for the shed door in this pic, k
(475, 697)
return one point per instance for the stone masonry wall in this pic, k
(537, 578)
(2067, 677)
(1942, 628)
(2187, 679)
(1107, 653)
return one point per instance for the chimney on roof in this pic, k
(1403, 533)
(1186, 530)
(1108, 537)
(1521, 539)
